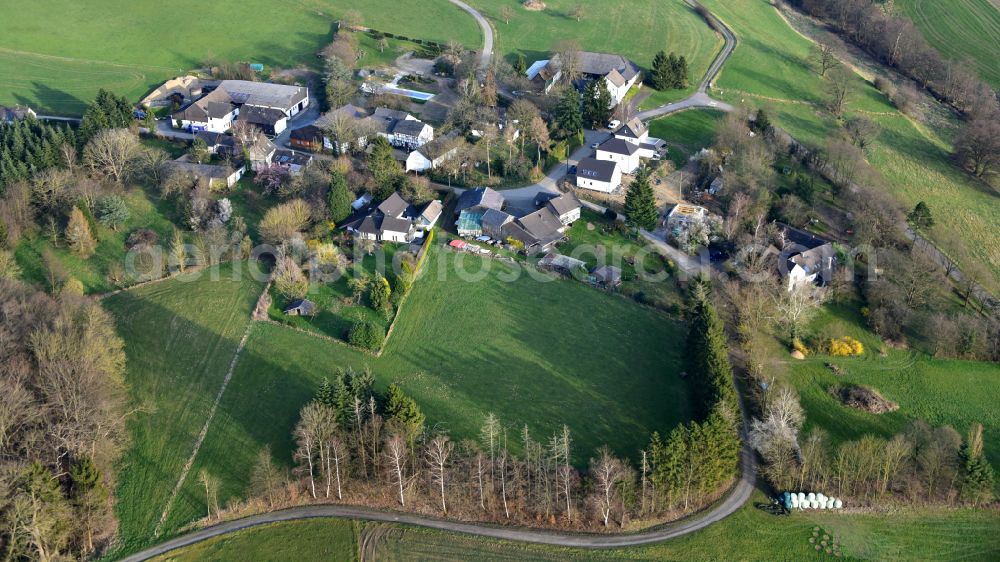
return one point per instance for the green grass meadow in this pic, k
(55, 54)
(542, 353)
(961, 29)
(687, 132)
(634, 28)
(748, 534)
(180, 336)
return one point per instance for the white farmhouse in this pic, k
(623, 153)
(598, 175)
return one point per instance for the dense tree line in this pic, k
(894, 40)
(62, 424)
(668, 72)
(356, 444)
(29, 146)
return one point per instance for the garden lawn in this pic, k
(636, 29)
(770, 69)
(180, 337)
(748, 534)
(541, 353)
(961, 29)
(131, 47)
(92, 272)
(686, 132)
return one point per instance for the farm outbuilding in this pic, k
(301, 307)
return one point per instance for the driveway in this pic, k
(486, 54)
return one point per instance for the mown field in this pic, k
(749, 534)
(55, 54)
(770, 69)
(180, 336)
(686, 132)
(634, 28)
(538, 353)
(961, 29)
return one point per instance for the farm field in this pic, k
(320, 539)
(686, 132)
(634, 28)
(141, 44)
(961, 29)
(460, 349)
(913, 160)
(180, 336)
(749, 534)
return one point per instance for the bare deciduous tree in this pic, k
(607, 471)
(112, 154)
(437, 455)
(396, 454)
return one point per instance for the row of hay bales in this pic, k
(801, 500)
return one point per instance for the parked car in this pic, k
(595, 145)
(572, 169)
(614, 124)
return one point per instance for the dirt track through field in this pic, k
(204, 431)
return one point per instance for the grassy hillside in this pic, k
(541, 353)
(56, 54)
(634, 28)
(961, 29)
(749, 534)
(180, 336)
(769, 69)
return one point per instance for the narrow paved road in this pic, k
(736, 498)
(486, 54)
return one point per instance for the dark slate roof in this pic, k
(543, 225)
(432, 211)
(390, 114)
(618, 146)
(15, 113)
(217, 139)
(264, 94)
(495, 219)
(261, 115)
(564, 203)
(633, 128)
(395, 225)
(594, 169)
(393, 206)
(409, 127)
(603, 63)
(479, 197)
(216, 104)
(436, 148)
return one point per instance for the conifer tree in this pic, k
(659, 75)
(977, 477)
(340, 198)
(568, 115)
(403, 411)
(640, 202)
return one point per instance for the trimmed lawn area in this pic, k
(541, 353)
(769, 69)
(141, 44)
(749, 534)
(636, 29)
(961, 29)
(320, 539)
(180, 336)
(93, 271)
(687, 132)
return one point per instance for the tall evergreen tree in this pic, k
(659, 74)
(383, 166)
(977, 472)
(708, 353)
(568, 115)
(325, 395)
(403, 412)
(640, 201)
(520, 64)
(340, 198)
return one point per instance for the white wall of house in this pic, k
(416, 162)
(618, 94)
(602, 186)
(212, 125)
(627, 164)
(570, 217)
(391, 236)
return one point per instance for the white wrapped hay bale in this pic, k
(837, 504)
(795, 501)
(814, 504)
(802, 497)
(811, 497)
